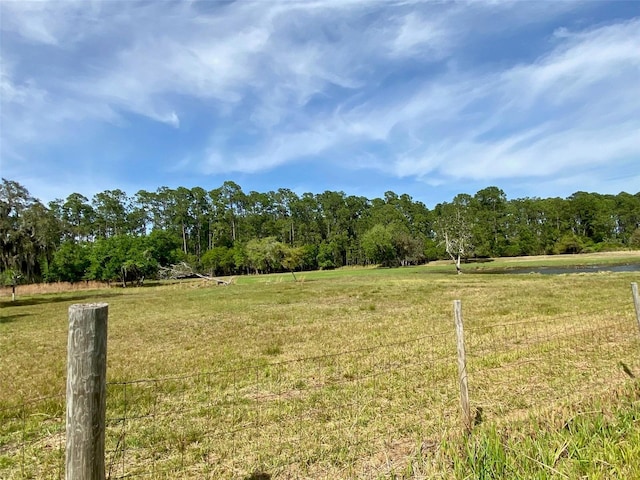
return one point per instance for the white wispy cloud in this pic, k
(443, 132)
(582, 60)
(36, 21)
(387, 86)
(576, 107)
(423, 37)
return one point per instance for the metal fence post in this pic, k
(86, 391)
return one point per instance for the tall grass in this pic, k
(56, 287)
(599, 439)
(345, 374)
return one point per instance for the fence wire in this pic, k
(32, 436)
(514, 368)
(360, 413)
(311, 417)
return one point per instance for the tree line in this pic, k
(226, 231)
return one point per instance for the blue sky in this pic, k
(540, 98)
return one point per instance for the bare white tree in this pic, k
(453, 229)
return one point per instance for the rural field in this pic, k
(350, 373)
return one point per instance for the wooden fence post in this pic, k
(462, 367)
(86, 391)
(636, 301)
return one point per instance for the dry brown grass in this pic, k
(56, 287)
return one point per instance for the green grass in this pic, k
(600, 439)
(345, 374)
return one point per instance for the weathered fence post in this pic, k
(462, 366)
(86, 391)
(636, 301)
(14, 282)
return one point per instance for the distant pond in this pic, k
(634, 267)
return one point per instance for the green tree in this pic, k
(111, 209)
(309, 257)
(293, 259)
(592, 216)
(489, 210)
(29, 232)
(409, 248)
(78, 218)
(259, 215)
(265, 255)
(180, 213)
(219, 261)
(308, 219)
(627, 216)
(70, 263)
(163, 247)
(556, 220)
(634, 240)
(329, 255)
(240, 258)
(14, 201)
(568, 243)
(524, 228)
(200, 224)
(121, 258)
(377, 244)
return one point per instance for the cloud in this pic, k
(35, 21)
(409, 89)
(276, 152)
(573, 108)
(581, 61)
(31, 112)
(424, 38)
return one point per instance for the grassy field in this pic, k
(344, 374)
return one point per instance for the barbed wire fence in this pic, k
(320, 416)
(33, 438)
(367, 412)
(519, 366)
